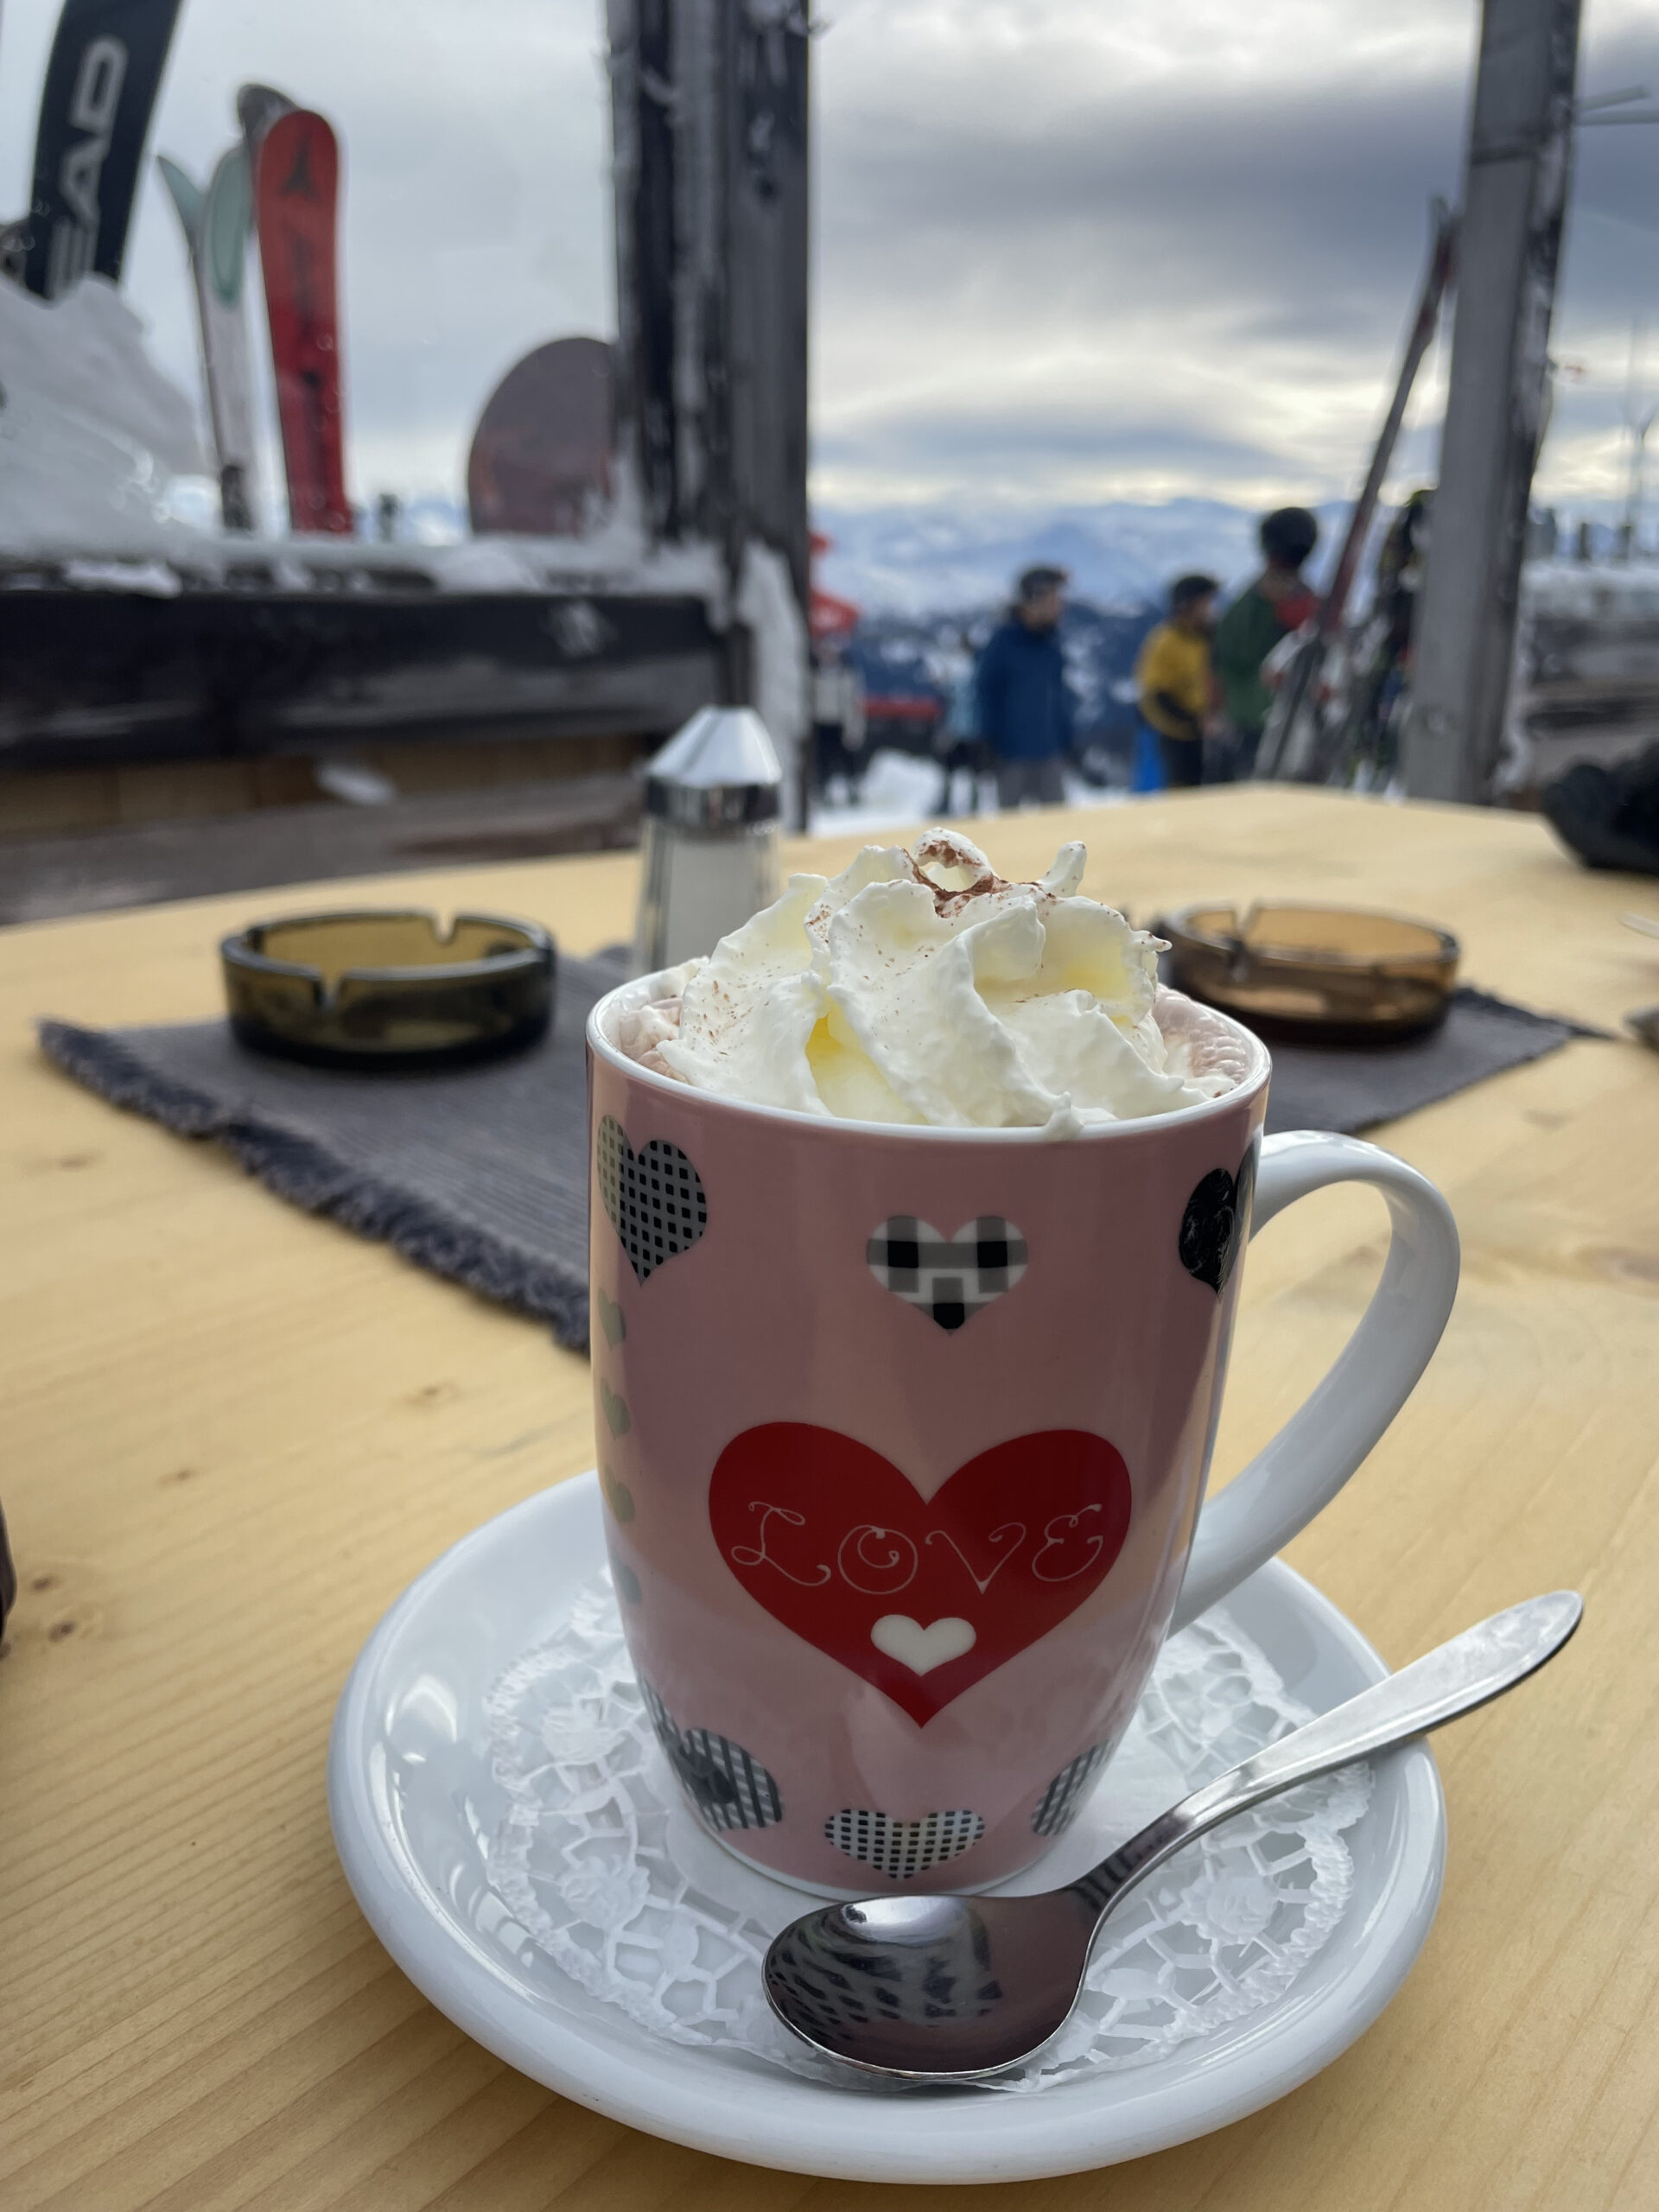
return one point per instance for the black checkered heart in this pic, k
(1062, 1801)
(1217, 1223)
(729, 1787)
(654, 1198)
(950, 1278)
(902, 1849)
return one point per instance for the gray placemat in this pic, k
(481, 1174)
(1355, 1087)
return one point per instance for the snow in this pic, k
(606, 562)
(102, 470)
(90, 431)
(613, 556)
(901, 791)
(765, 602)
(1603, 591)
(152, 579)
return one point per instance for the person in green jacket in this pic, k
(1268, 608)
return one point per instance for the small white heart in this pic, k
(921, 1648)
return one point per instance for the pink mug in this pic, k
(903, 1435)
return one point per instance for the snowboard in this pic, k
(296, 197)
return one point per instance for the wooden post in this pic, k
(766, 53)
(642, 179)
(1515, 198)
(709, 121)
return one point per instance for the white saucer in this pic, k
(414, 1804)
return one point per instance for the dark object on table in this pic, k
(1644, 1024)
(1338, 975)
(388, 990)
(8, 1576)
(1609, 816)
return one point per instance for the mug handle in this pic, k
(1321, 1445)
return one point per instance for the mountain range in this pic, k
(957, 559)
(1120, 555)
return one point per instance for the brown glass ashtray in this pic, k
(389, 990)
(1336, 974)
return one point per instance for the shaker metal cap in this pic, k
(719, 773)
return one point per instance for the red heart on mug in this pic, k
(922, 1597)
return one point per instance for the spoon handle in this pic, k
(1478, 1665)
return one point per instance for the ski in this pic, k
(216, 224)
(296, 190)
(101, 81)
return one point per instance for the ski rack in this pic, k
(1293, 743)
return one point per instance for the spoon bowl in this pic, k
(932, 1985)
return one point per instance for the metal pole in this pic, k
(1515, 200)
(709, 118)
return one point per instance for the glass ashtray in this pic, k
(388, 990)
(1337, 974)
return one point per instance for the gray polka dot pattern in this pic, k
(902, 1849)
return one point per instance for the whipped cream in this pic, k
(921, 987)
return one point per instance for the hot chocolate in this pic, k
(921, 987)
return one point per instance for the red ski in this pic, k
(296, 199)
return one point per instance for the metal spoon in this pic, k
(953, 1988)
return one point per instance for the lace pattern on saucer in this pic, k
(600, 1862)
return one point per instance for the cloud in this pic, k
(993, 437)
(1065, 252)
(1191, 277)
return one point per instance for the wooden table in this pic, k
(233, 1434)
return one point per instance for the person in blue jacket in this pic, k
(1027, 710)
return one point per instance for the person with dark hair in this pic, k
(1026, 710)
(1173, 680)
(1271, 607)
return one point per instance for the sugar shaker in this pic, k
(710, 848)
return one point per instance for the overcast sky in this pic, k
(1066, 251)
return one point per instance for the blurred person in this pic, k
(1370, 733)
(838, 719)
(957, 741)
(1272, 606)
(1147, 768)
(1026, 710)
(1175, 683)
(1399, 570)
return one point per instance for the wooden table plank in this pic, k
(232, 1434)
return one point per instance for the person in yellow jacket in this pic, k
(1174, 682)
